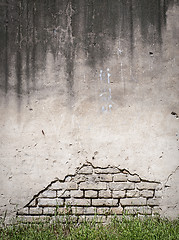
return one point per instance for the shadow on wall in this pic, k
(30, 29)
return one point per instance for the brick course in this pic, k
(45, 202)
(133, 201)
(120, 177)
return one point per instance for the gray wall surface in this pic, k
(91, 82)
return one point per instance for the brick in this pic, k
(35, 211)
(132, 193)
(63, 185)
(91, 194)
(130, 210)
(49, 210)
(147, 193)
(116, 210)
(32, 219)
(71, 186)
(89, 210)
(50, 202)
(103, 210)
(133, 178)
(77, 210)
(121, 186)
(78, 202)
(23, 211)
(118, 194)
(63, 194)
(57, 185)
(156, 211)
(61, 219)
(138, 210)
(92, 178)
(133, 201)
(77, 193)
(120, 177)
(110, 218)
(105, 194)
(104, 202)
(48, 194)
(106, 170)
(153, 202)
(92, 218)
(86, 170)
(145, 210)
(146, 185)
(79, 178)
(106, 178)
(71, 219)
(64, 210)
(93, 186)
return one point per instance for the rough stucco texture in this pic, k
(88, 81)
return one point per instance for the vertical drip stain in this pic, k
(159, 26)
(6, 67)
(18, 54)
(69, 49)
(131, 30)
(34, 45)
(27, 50)
(164, 11)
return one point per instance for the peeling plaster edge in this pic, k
(120, 169)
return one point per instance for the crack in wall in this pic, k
(169, 176)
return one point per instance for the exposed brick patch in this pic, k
(92, 190)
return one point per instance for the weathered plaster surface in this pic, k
(87, 81)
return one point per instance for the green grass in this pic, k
(125, 229)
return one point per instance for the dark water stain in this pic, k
(6, 67)
(19, 53)
(27, 50)
(30, 29)
(131, 22)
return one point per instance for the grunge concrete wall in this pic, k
(89, 82)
